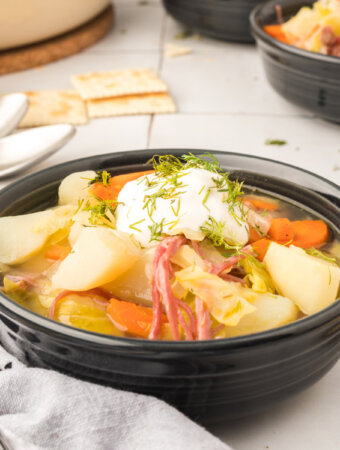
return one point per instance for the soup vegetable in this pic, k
(316, 29)
(180, 252)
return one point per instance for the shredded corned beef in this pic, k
(175, 308)
(23, 281)
(330, 41)
(231, 261)
(162, 292)
(232, 278)
(203, 321)
(217, 329)
(228, 263)
(97, 294)
(279, 15)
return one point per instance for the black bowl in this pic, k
(310, 80)
(208, 380)
(221, 19)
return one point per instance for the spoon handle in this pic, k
(13, 107)
(22, 150)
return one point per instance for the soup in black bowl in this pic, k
(307, 78)
(211, 283)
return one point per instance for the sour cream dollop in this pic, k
(181, 205)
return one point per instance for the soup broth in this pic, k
(181, 253)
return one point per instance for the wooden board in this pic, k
(59, 47)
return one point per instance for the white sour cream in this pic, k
(192, 202)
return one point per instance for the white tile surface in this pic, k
(206, 79)
(225, 103)
(136, 27)
(307, 421)
(311, 143)
(57, 75)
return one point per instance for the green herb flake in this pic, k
(278, 142)
(214, 232)
(321, 255)
(156, 231)
(206, 198)
(176, 212)
(101, 177)
(133, 225)
(102, 213)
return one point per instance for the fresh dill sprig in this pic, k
(214, 232)
(207, 162)
(176, 211)
(133, 225)
(321, 255)
(170, 168)
(278, 142)
(102, 213)
(204, 201)
(260, 232)
(166, 194)
(156, 231)
(101, 177)
(166, 165)
(80, 204)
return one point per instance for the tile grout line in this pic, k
(159, 70)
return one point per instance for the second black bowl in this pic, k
(221, 19)
(310, 80)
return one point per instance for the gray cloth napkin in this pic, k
(43, 409)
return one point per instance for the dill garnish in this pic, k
(80, 204)
(133, 225)
(101, 177)
(102, 213)
(156, 231)
(260, 232)
(318, 254)
(206, 198)
(278, 142)
(176, 212)
(214, 232)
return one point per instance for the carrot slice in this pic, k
(260, 204)
(276, 31)
(309, 233)
(132, 318)
(281, 230)
(57, 252)
(254, 235)
(260, 247)
(116, 184)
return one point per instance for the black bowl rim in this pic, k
(258, 32)
(83, 337)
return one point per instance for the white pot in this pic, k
(24, 22)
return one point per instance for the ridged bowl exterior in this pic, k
(307, 79)
(221, 19)
(210, 380)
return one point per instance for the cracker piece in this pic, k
(172, 50)
(131, 104)
(52, 107)
(116, 83)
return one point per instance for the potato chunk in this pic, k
(99, 256)
(310, 282)
(271, 311)
(23, 236)
(74, 187)
(135, 284)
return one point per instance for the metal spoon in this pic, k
(22, 150)
(13, 107)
